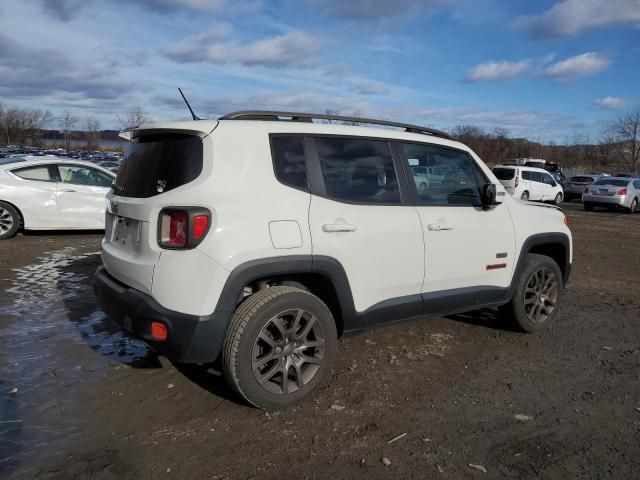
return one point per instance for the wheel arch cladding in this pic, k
(323, 276)
(553, 245)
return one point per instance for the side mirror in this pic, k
(491, 196)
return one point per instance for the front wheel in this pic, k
(535, 299)
(524, 196)
(9, 220)
(279, 347)
(558, 199)
(633, 207)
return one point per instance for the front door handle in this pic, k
(338, 227)
(436, 227)
(68, 190)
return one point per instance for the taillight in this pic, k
(182, 228)
(517, 181)
(200, 225)
(622, 191)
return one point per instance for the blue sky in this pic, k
(544, 69)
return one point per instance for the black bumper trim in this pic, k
(191, 338)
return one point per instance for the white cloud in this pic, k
(498, 71)
(610, 103)
(573, 17)
(589, 63)
(289, 49)
(65, 10)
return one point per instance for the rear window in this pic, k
(615, 183)
(504, 173)
(581, 179)
(158, 163)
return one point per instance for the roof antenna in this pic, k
(193, 115)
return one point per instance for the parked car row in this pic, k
(109, 160)
(594, 190)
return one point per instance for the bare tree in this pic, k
(627, 131)
(133, 118)
(67, 121)
(92, 131)
(36, 120)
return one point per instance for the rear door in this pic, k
(154, 166)
(81, 194)
(362, 219)
(508, 178)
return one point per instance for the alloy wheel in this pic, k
(541, 295)
(6, 221)
(288, 351)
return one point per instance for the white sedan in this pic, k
(51, 193)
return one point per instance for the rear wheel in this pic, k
(423, 188)
(538, 290)
(9, 220)
(524, 196)
(558, 199)
(279, 347)
(633, 207)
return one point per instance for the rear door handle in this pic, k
(338, 227)
(436, 227)
(68, 190)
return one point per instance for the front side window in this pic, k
(289, 160)
(452, 181)
(80, 175)
(40, 173)
(357, 170)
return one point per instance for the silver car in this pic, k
(613, 192)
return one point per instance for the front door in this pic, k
(361, 220)
(82, 195)
(466, 247)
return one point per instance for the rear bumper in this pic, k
(613, 201)
(191, 338)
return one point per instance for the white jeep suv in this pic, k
(260, 238)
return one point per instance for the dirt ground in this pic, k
(80, 400)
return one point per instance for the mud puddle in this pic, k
(48, 320)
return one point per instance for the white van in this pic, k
(529, 183)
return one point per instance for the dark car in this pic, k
(574, 187)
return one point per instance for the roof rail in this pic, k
(309, 117)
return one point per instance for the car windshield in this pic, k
(581, 179)
(614, 182)
(504, 173)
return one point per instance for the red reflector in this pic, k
(200, 224)
(622, 191)
(159, 331)
(177, 229)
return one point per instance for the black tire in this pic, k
(588, 207)
(257, 325)
(9, 221)
(633, 207)
(531, 310)
(558, 199)
(525, 196)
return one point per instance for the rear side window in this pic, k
(358, 170)
(41, 173)
(504, 173)
(289, 160)
(158, 163)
